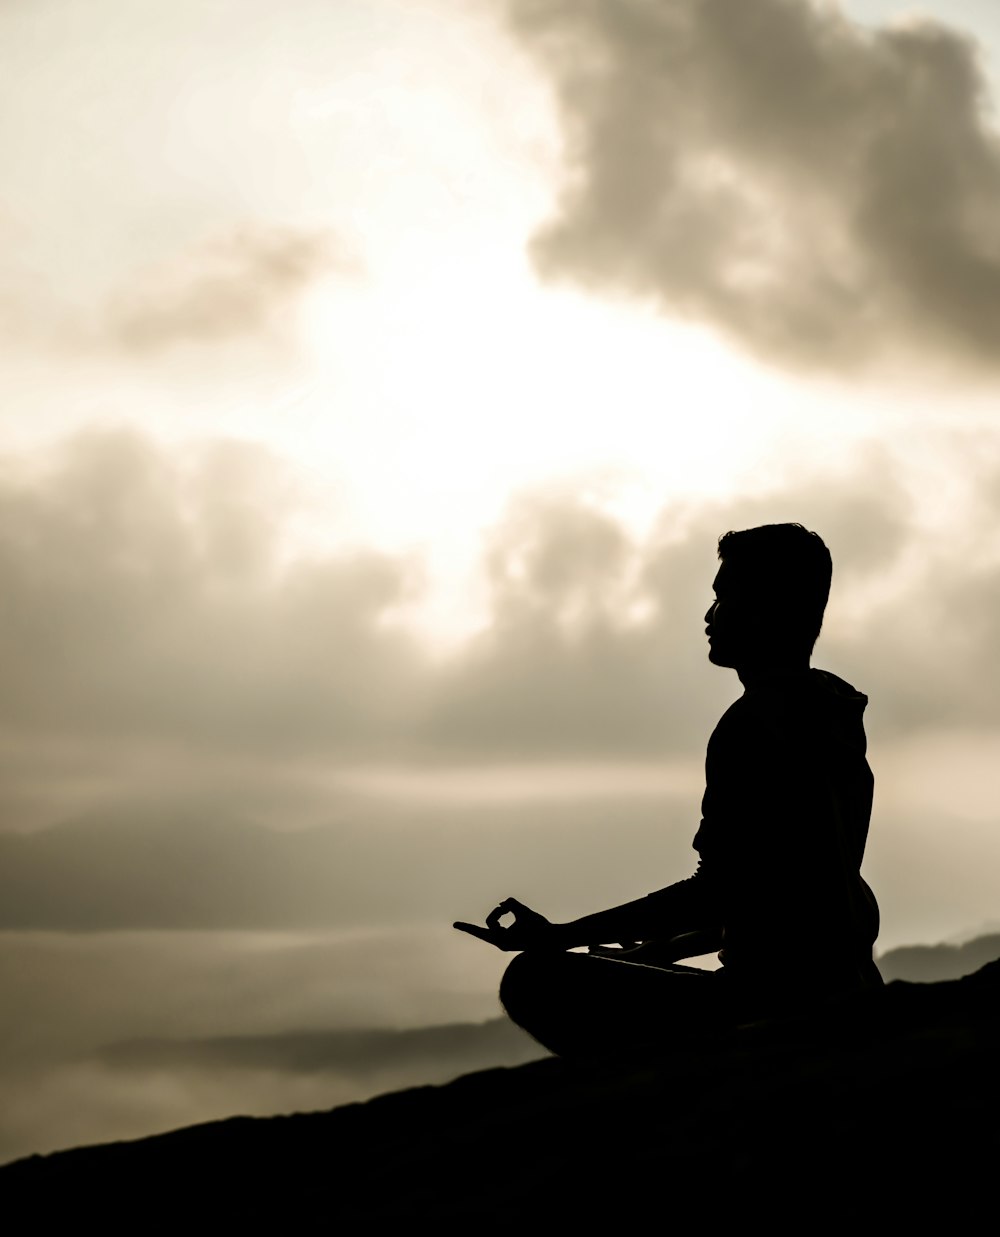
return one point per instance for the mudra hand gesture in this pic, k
(528, 931)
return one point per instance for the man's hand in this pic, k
(528, 931)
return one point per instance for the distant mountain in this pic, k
(932, 963)
(879, 1113)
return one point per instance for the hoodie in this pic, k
(785, 816)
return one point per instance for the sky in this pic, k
(377, 378)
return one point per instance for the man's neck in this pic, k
(754, 674)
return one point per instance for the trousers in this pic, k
(586, 1005)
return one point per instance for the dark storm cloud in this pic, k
(240, 285)
(825, 193)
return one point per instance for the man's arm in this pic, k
(686, 906)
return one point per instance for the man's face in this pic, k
(729, 622)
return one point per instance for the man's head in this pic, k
(771, 590)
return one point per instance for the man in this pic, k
(778, 889)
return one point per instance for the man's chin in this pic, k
(718, 657)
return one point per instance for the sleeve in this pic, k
(691, 905)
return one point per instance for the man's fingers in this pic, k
(509, 906)
(474, 929)
(498, 912)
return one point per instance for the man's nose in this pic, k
(710, 611)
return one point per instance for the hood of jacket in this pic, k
(831, 704)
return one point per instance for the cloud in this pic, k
(69, 995)
(442, 1051)
(157, 606)
(223, 731)
(597, 641)
(161, 865)
(67, 999)
(822, 192)
(149, 595)
(242, 284)
(134, 1088)
(154, 598)
(181, 680)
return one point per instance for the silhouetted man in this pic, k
(788, 796)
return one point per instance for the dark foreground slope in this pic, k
(879, 1113)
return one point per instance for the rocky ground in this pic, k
(883, 1112)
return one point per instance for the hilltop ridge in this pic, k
(885, 1105)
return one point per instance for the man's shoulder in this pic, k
(831, 687)
(792, 706)
(812, 690)
(740, 722)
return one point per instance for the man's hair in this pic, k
(786, 569)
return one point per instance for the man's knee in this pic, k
(537, 993)
(520, 983)
(537, 980)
